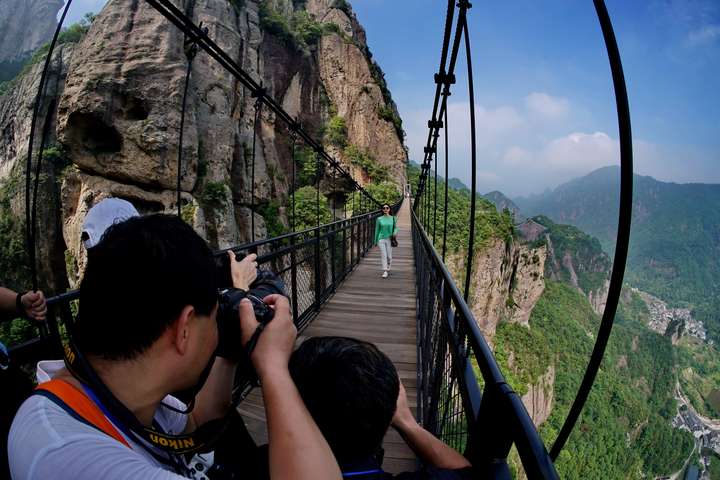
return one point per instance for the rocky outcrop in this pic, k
(16, 109)
(345, 70)
(25, 25)
(539, 398)
(119, 102)
(507, 281)
(573, 257)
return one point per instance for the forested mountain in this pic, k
(628, 427)
(675, 239)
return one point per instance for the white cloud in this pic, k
(517, 156)
(703, 35)
(581, 152)
(547, 106)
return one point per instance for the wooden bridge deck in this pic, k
(377, 310)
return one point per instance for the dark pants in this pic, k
(237, 456)
(15, 386)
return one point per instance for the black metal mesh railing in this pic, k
(312, 264)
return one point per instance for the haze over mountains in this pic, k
(675, 237)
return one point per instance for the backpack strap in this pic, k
(79, 406)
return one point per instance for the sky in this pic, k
(543, 91)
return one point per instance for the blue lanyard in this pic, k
(105, 411)
(365, 472)
(178, 467)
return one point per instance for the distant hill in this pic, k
(675, 238)
(502, 202)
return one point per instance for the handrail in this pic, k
(465, 339)
(329, 253)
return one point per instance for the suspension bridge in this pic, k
(332, 273)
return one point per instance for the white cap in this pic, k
(104, 214)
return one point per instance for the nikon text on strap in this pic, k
(202, 439)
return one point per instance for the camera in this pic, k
(266, 283)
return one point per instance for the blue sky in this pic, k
(546, 111)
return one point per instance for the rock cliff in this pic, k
(119, 102)
(26, 25)
(507, 281)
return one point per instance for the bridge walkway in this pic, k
(377, 310)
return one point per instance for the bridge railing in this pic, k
(463, 397)
(312, 263)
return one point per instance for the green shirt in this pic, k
(385, 227)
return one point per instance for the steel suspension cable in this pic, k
(186, 25)
(30, 210)
(191, 49)
(258, 109)
(473, 154)
(435, 206)
(447, 176)
(293, 137)
(624, 223)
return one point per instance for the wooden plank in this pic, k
(373, 309)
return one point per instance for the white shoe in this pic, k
(384, 275)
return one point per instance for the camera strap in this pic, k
(202, 439)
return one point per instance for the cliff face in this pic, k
(118, 113)
(507, 281)
(573, 257)
(25, 25)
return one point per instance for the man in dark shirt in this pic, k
(353, 393)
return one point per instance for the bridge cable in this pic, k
(293, 137)
(473, 151)
(447, 176)
(190, 47)
(258, 111)
(623, 235)
(186, 25)
(30, 215)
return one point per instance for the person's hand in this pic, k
(403, 418)
(34, 305)
(244, 272)
(275, 345)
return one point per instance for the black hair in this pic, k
(139, 277)
(350, 388)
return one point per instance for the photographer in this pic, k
(15, 384)
(147, 328)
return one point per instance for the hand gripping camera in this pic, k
(228, 318)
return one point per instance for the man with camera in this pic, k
(146, 330)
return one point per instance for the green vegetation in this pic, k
(714, 468)
(307, 167)
(389, 113)
(300, 32)
(489, 224)
(674, 241)
(384, 192)
(214, 196)
(699, 375)
(343, 5)
(13, 260)
(306, 212)
(365, 160)
(336, 132)
(590, 263)
(625, 427)
(271, 213)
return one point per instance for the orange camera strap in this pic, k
(79, 406)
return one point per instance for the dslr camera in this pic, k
(266, 283)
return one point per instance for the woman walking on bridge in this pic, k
(385, 231)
